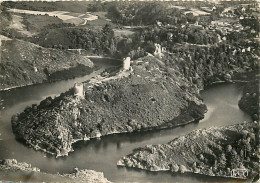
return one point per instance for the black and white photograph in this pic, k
(110, 91)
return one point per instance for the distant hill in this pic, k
(24, 63)
(72, 6)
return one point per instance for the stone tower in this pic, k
(126, 63)
(78, 90)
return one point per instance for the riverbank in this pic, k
(23, 63)
(11, 170)
(213, 152)
(250, 99)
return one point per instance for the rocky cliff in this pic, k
(213, 151)
(154, 93)
(10, 170)
(24, 63)
(12, 164)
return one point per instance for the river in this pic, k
(103, 154)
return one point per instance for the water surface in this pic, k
(102, 155)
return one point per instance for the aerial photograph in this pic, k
(129, 91)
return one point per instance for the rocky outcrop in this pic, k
(87, 176)
(10, 168)
(24, 63)
(12, 164)
(214, 152)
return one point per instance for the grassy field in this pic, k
(17, 24)
(123, 32)
(70, 6)
(65, 16)
(99, 22)
(37, 22)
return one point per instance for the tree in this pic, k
(114, 14)
(112, 48)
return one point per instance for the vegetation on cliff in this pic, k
(24, 63)
(213, 151)
(10, 169)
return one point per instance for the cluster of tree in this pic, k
(144, 39)
(49, 21)
(35, 6)
(248, 18)
(167, 37)
(203, 64)
(57, 26)
(97, 6)
(148, 13)
(222, 158)
(252, 22)
(98, 42)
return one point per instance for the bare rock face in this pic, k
(12, 164)
(213, 151)
(87, 176)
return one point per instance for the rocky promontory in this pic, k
(227, 152)
(12, 164)
(142, 97)
(10, 169)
